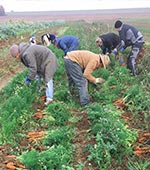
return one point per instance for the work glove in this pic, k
(115, 51)
(27, 81)
(99, 80)
(122, 49)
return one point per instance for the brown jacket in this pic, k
(87, 60)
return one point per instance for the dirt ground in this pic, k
(6, 62)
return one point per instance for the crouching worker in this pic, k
(47, 39)
(108, 42)
(40, 60)
(79, 66)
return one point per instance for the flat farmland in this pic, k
(87, 15)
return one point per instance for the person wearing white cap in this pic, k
(40, 60)
(32, 39)
(80, 65)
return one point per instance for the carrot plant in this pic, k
(113, 138)
(111, 134)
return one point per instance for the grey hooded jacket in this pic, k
(38, 59)
(129, 36)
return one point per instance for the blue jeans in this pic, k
(49, 90)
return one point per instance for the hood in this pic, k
(22, 47)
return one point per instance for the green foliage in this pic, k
(111, 135)
(52, 159)
(61, 136)
(113, 138)
(14, 29)
(59, 111)
(136, 98)
(138, 165)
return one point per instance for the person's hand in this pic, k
(99, 80)
(122, 49)
(115, 51)
(27, 81)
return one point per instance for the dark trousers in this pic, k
(131, 60)
(75, 76)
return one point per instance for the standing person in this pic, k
(129, 36)
(79, 66)
(40, 60)
(32, 39)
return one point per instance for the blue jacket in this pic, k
(67, 43)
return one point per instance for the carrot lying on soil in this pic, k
(39, 114)
(146, 134)
(10, 166)
(36, 134)
(139, 151)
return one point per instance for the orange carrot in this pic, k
(10, 166)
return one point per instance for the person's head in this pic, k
(118, 25)
(14, 51)
(47, 39)
(52, 38)
(104, 60)
(33, 36)
(55, 43)
(99, 42)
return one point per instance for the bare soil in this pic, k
(82, 126)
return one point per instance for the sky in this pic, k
(61, 5)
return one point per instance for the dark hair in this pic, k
(118, 24)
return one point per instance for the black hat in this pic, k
(118, 24)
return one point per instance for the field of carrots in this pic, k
(111, 133)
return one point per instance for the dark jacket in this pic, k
(67, 43)
(38, 59)
(129, 36)
(110, 41)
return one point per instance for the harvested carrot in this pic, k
(112, 87)
(43, 98)
(118, 101)
(141, 139)
(138, 151)
(10, 166)
(40, 114)
(20, 165)
(146, 134)
(36, 135)
(11, 156)
(126, 117)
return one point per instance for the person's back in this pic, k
(107, 42)
(37, 56)
(67, 43)
(130, 36)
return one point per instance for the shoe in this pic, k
(48, 102)
(82, 105)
